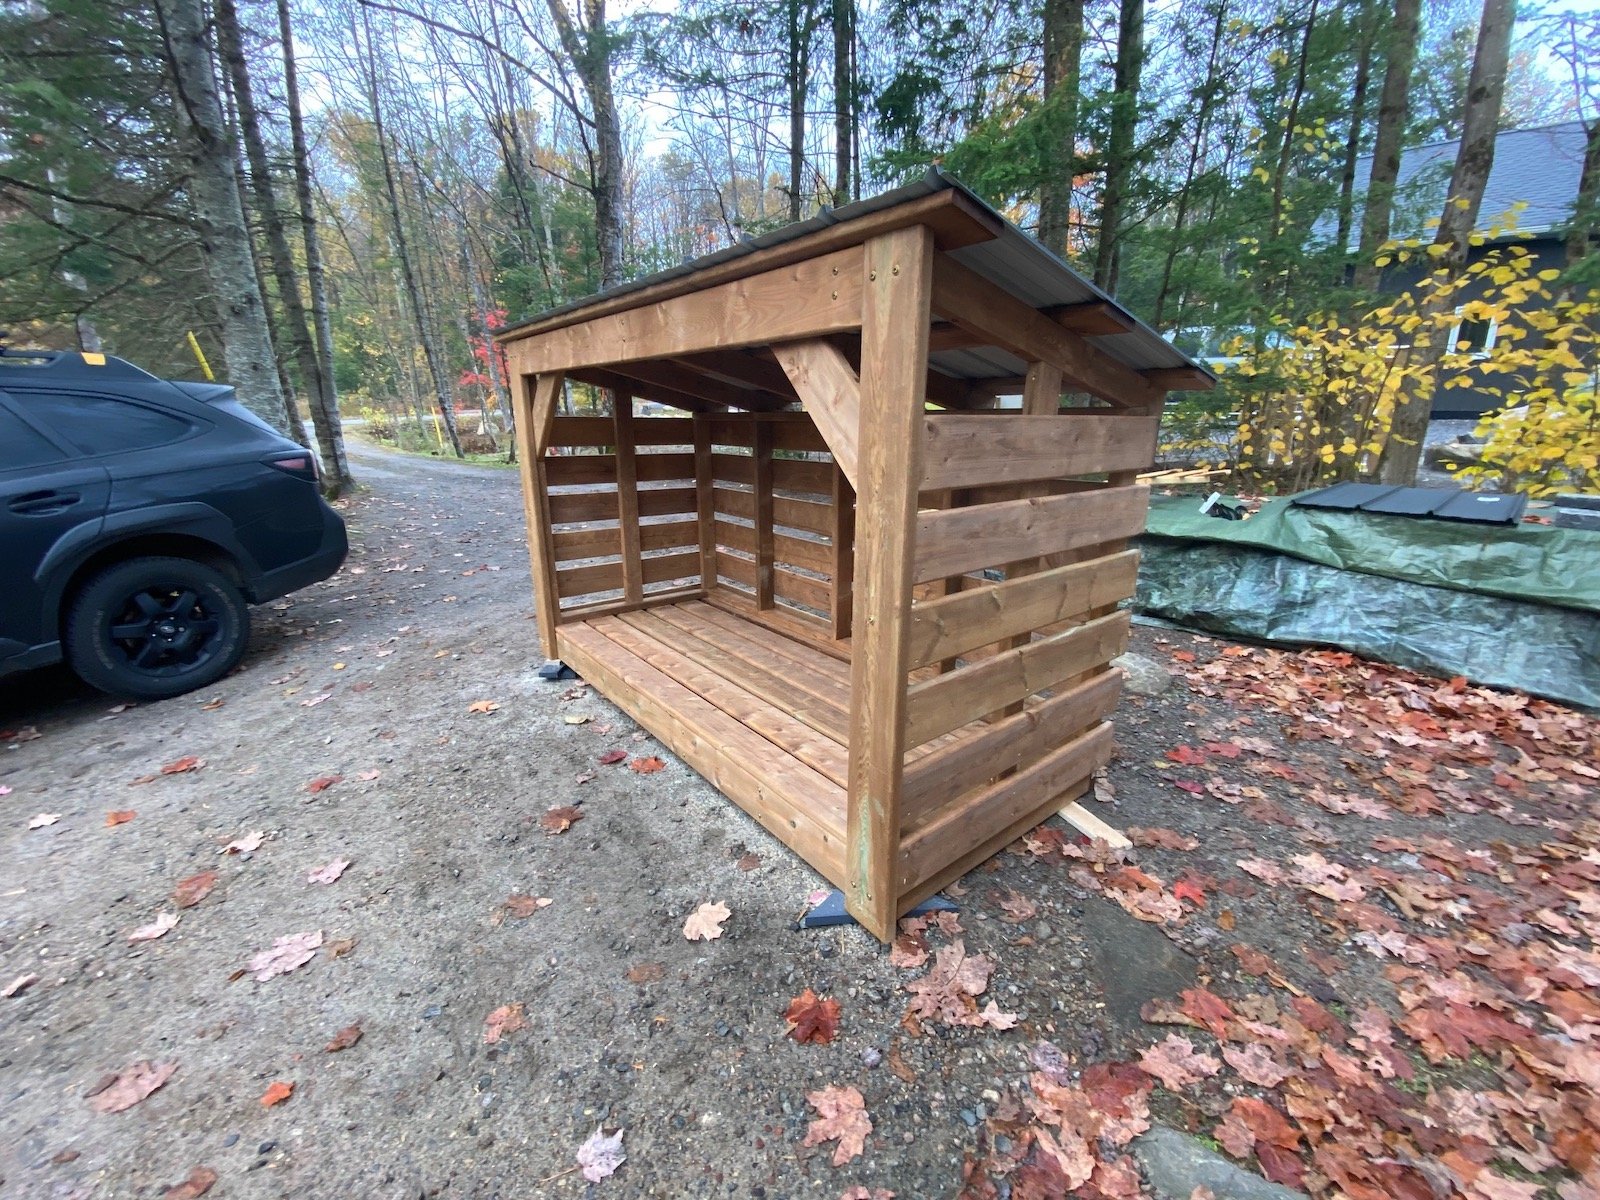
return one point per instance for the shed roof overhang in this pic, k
(698, 336)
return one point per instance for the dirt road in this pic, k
(391, 718)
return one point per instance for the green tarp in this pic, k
(1508, 606)
(1522, 562)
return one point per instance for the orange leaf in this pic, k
(121, 817)
(812, 1019)
(560, 819)
(187, 763)
(344, 1039)
(194, 889)
(322, 783)
(646, 766)
(277, 1093)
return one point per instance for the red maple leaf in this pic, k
(812, 1019)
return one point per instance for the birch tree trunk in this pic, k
(1474, 161)
(1120, 143)
(325, 397)
(440, 378)
(1063, 50)
(295, 330)
(219, 215)
(1394, 106)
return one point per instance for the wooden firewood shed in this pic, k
(869, 599)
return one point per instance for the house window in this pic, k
(1473, 335)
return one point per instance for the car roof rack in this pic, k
(64, 365)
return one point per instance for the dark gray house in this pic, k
(1539, 168)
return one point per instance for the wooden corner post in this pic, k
(535, 399)
(896, 292)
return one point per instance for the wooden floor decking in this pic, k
(763, 716)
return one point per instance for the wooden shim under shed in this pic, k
(1086, 823)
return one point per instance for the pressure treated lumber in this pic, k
(831, 391)
(971, 301)
(948, 626)
(535, 406)
(970, 449)
(968, 693)
(957, 540)
(894, 341)
(799, 301)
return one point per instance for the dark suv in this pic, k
(139, 517)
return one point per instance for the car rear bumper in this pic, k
(328, 558)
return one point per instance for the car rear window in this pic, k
(23, 446)
(103, 424)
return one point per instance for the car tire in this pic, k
(150, 628)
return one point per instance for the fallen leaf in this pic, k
(646, 766)
(288, 953)
(861, 1192)
(344, 1039)
(1017, 908)
(1255, 1064)
(611, 757)
(508, 1018)
(248, 844)
(156, 928)
(577, 718)
(843, 1115)
(600, 1156)
(560, 819)
(1161, 839)
(995, 1019)
(18, 985)
(322, 783)
(339, 947)
(647, 972)
(213, 704)
(328, 873)
(748, 862)
(120, 817)
(705, 923)
(812, 1019)
(948, 991)
(1187, 889)
(131, 1085)
(194, 889)
(519, 905)
(483, 706)
(183, 765)
(43, 819)
(1177, 1064)
(197, 1184)
(910, 950)
(368, 776)
(277, 1092)
(313, 701)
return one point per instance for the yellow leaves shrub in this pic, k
(1315, 401)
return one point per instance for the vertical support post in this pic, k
(842, 565)
(628, 498)
(894, 366)
(705, 501)
(766, 544)
(535, 400)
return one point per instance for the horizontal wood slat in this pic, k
(973, 449)
(803, 552)
(967, 762)
(604, 577)
(796, 514)
(569, 507)
(957, 540)
(975, 818)
(790, 431)
(736, 537)
(600, 543)
(947, 626)
(951, 700)
(572, 470)
(602, 431)
(800, 589)
(802, 475)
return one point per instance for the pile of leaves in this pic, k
(1442, 1038)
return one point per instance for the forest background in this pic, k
(340, 199)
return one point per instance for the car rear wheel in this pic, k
(150, 628)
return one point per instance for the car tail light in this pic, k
(301, 466)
